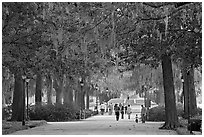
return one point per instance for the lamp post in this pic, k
(82, 99)
(23, 101)
(27, 82)
(182, 80)
(96, 87)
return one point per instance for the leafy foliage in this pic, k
(22, 33)
(158, 113)
(53, 112)
(90, 39)
(57, 112)
(7, 112)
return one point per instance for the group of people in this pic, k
(121, 109)
(143, 115)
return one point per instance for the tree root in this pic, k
(170, 126)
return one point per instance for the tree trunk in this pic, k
(171, 121)
(3, 100)
(185, 90)
(192, 93)
(38, 92)
(17, 98)
(49, 92)
(4, 91)
(59, 87)
(189, 91)
(87, 98)
(68, 96)
(59, 92)
(78, 97)
(83, 98)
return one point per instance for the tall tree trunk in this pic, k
(83, 98)
(68, 96)
(171, 121)
(78, 98)
(189, 91)
(185, 90)
(192, 93)
(49, 92)
(87, 98)
(17, 98)
(4, 90)
(59, 87)
(3, 100)
(38, 92)
(59, 92)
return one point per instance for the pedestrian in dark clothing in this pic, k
(125, 109)
(117, 112)
(143, 113)
(136, 118)
(122, 112)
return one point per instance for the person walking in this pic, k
(143, 113)
(110, 109)
(129, 111)
(117, 111)
(102, 109)
(126, 109)
(136, 118)
(122, 112)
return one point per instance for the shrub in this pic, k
(7, 112)
(180, 109)
(51, 113)
(158, 113)
(88, 113)
(199, 111)
(54, 112)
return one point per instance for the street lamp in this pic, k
(23, 101)
(82, 99)
(27, 82)
(96, 87)
(182, 80)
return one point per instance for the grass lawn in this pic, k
(9, 127)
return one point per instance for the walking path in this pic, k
(98, 125)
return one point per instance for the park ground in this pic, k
(96, 125)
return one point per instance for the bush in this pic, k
(7, 112)
(88, 113)
(199, 111)
(180, 109)
(54, 112)
(158, 113)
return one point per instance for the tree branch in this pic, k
(150, 4)
(153, 19)
(101, 20)
(176, 4)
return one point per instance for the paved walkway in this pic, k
(98, 125)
